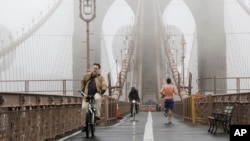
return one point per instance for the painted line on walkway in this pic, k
(62, 139)
(148, 132)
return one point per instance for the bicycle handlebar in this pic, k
(85, 95)
(82, 93)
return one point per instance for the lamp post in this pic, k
(183, 42)
(87, 14)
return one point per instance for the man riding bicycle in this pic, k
(93, 83)
(133, 95)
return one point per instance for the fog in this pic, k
(53, 53)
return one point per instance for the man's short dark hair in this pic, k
(97, 64)
(168, 80)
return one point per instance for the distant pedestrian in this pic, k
(199, 94)
(167, 92)
(158, 106)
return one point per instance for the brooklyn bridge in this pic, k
(47, 46)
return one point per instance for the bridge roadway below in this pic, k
(150, 126)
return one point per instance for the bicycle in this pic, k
(134, 109)
(90, 115)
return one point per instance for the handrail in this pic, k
(58, 87)
(235, 84)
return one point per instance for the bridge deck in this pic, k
(150, 128)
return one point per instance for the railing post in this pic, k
(26, 85)
(106, 103)
(64, 87)
(179, 83)
(193, 109)
(109, 84)
(238, 85)
(214, 84)
(190, 84)
(120, 78)
(200, 83)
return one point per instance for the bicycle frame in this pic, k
(90, 115)
(91, 109)
(133, 110)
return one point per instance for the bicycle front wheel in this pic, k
(88, 124)
(133, 112)
(92, 125)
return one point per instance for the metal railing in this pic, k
(38, 117)
(234, 85)
(198, 109)
(43, 109)
(55, 87)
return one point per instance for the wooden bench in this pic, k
(220, 119)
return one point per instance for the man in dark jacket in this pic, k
(133, 95)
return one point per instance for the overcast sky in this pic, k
(16, 13)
